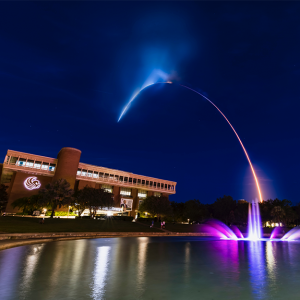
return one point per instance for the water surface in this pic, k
(151, 268)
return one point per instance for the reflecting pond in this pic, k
(151, 268)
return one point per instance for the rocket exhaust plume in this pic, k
(240, 141)
(242, 145)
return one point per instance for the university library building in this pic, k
(25, 174)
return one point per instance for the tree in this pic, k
(194, 210)
(178, 211)
(3, 197)
(223, 208)
(156, 206)
(56, 193)
(93, 199)
(278, 214)
(28, 204)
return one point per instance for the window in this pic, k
(158, 185)
(157, 194)
(90, 174)
(83, 172)
(106, 188)
(154, 184)
(143, 182)
(37, 164)
(142, 194)
(101, 174)
(79, 172)
(111, 176)
(106, 175)
(45, 166)
(125, 192)
(134, 180)
(95, 175)
(29, 163)
(116, 177)
(21, 162)
(130, 180)
(147, 182)
(151, 183)
(139, 181)
(13, 160)
(121, 179)
(140, 202)
(52, 167)
(7, 159)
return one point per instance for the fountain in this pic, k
(219, 229)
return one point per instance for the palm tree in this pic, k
(56, 194)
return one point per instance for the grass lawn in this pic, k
(28, 225)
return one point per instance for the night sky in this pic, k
(67, 69)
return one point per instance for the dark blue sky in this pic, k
(67, 69)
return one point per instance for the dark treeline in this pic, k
(235, 212)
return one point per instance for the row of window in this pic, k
(123, 179)
(127, 191)
(29, 163)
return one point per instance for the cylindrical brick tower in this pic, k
(67, 165)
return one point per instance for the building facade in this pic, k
(25, 174)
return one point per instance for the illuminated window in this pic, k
(21, 162)
(157, 194)
(142, 194)
(125, 191)
(111, 176)
(79, 172)
(45, 166)
(95, 175)
(83, 172)
(90, 174)
(107, 188)
(29, 163)
(52, 167)
(37, 164)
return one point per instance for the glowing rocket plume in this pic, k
(134, 96)
(243, 147)
(245, 151)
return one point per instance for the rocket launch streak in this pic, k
(240, 141)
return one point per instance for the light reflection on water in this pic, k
(151, 268)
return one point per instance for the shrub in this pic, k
(60, 213)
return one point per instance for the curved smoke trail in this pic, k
(241, 143)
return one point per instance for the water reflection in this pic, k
(150, 268)
(141, 265)
(99, 276)
(31, 262)
(257, 269)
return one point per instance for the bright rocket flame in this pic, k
(245, 151)
(243, 147)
